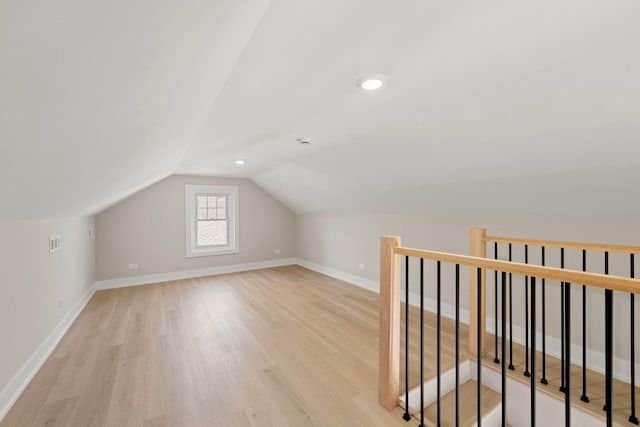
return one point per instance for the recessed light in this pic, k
(239, 162)
(371, 82)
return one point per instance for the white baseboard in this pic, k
(447, 310)
(190, 274)
(23, 377)
(430, 304)
(361, 282)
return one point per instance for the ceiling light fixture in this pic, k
(239, 162)
(371, 82)
(304, 141)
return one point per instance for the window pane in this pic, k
(212, 233)
(212, 201)
(211, 213)
(202, 213)
(222, 201)
(221, 213)
(202, 202)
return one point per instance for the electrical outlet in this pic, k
(90, 232)
(133, 266)
(361, 267)
(277, 251)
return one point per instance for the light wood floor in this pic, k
(276, 347)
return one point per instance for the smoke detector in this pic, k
(304, 141)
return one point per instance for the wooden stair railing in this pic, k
(480, 239)
(391, 253)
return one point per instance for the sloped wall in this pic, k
(32, 284)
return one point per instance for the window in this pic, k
(212, 220)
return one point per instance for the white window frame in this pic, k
(191, 212)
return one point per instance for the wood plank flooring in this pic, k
(274, 347)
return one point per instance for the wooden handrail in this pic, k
(567, 245)
(602, 281)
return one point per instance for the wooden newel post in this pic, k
(389, 350)
(478, 249)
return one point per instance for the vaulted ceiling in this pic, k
(488, 106)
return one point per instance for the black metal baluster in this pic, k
(495, 276)
(479, 349)
(457, 345)
(608, 354)
(543, 380)
(438, 338)
(562, 328)
(526, 315)
(406, 415)
(510, 316)
(567, 359)
(607, 323)
(533, 352)
(584, 396)
(504, 350)
(422, 341)
(633, 418)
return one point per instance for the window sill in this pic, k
(225, 251)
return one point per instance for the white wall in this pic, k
(149, 229)
(32, 282)
(343, 241)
